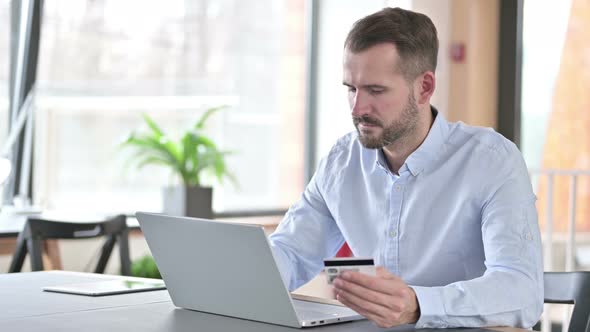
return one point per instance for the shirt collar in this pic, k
(427, 151)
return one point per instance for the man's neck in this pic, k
(397, 153)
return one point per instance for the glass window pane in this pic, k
(336, 19)
(4, 60)
(99, 71)
(555, 117)
(539, 74)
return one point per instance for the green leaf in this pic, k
(153, 160)
(152, 124)
(145, 267)
(201, 123)
(150, 145)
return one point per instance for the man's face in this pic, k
(381, 100)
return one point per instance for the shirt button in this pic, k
(398, 188)
(393, 233)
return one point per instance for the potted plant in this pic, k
(145, 267)
(188, 157)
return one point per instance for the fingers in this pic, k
(382, 316)
(391, 302)
(385, 299)
(379, 284)
(367, 295)
(366, 307)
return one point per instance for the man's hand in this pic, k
(385, 299)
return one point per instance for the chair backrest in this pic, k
(53, 229)
(571, 288)
(38, 229)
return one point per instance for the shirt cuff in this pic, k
(432, 308)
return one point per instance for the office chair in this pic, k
(571, 288)
(38, 229)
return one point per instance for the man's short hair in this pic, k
(413, 34)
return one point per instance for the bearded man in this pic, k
(446, 210)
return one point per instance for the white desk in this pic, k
(25, 307)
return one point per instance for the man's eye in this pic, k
(376, 91)
(350, 89)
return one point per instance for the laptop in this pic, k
(228, 269)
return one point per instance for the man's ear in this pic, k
(424, 87)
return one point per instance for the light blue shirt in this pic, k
(458, 224)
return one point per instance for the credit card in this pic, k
(335, 266)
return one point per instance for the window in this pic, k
(99, 71)
(336, 19)
(555, 116)
(4, 66)
(539, 74)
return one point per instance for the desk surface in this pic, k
(25, 307)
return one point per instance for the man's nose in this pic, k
(359, 105)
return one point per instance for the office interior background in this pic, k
(277, 65)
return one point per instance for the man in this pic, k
(445, 209)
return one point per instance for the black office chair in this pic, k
(571, 288)
(38, 229)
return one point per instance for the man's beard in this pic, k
(394, 132)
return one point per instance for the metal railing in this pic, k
(548, 234)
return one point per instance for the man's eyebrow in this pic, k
(373, 86)
(366, 86)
